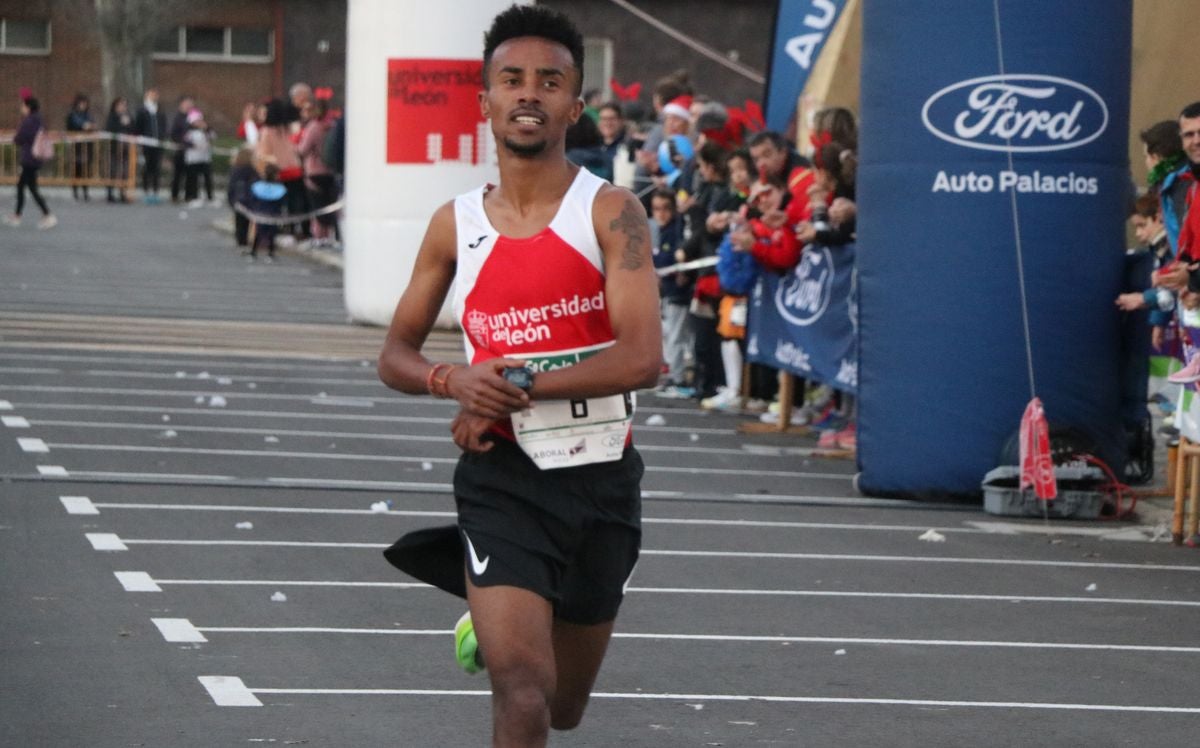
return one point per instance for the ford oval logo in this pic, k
(804, 294)
(1016, 113)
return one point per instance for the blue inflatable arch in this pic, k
(985, 123)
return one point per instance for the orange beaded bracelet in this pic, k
(441, 382)
(431, 379)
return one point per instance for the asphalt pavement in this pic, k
(199, 470)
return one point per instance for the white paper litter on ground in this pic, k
(203, 375)
(379, 507)
(271, 439)
(656, 420)
(169, 434)
(244, 525)
(840, 652)
(694, 437)
(252, 386)
(199, 399)
(1092, 587)
(216, 401)
(181, 375)
(932, 536)
(224, 380)
(427, 466)
(166, 418)
(279, 597)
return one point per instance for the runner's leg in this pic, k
(515, 632)
(578, 652)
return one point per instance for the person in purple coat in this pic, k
(31, 123)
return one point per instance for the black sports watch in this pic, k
(520, 376)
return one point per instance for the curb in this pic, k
(325, 257)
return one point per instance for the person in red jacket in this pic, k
(766, 233)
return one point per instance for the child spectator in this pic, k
(1147, 220)
(766, 234)
(675, 290)
(241, 176)
(266, 199)
(197, 159)
(1166, 165)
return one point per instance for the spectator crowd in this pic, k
(286, 162)
(727, 200)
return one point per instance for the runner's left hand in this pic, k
(481, 389)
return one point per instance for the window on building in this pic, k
(216, 44)
(24, 37)
(597, 64)
(200, 40)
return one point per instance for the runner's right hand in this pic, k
(467, 428)
(482, 391)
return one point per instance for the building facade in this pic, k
(224, 53)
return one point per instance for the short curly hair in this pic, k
(534, 20)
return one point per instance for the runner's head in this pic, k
(537, 21)
(532, 75)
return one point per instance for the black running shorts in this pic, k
(570, 535)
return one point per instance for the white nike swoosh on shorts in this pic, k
(478, 565)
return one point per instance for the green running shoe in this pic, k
(466, 648)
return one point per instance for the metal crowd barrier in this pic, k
(99, 159)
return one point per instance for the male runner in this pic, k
(551, 271)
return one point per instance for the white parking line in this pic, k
(14, 422)
(356, 417)
(182, 630)
(136, 581)
(753, 555)
(36, 446)
(730, 523)
(78, 505)
(178, 630)
(437, 438)
(357, 400)
(260, 453)
(52, 471)
(180, 362)
(145, 580)
(105, 541)
(228, 691)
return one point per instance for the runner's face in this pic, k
(531, 95)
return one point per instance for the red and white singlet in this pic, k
(541, 299)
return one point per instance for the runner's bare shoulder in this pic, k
(440, 239)
(622, 227)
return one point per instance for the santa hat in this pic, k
(679, 107)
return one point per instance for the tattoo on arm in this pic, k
(633, 224)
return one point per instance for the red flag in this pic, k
(1037, 467)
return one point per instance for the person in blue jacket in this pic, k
(266, 200)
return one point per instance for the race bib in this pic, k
(566, 433)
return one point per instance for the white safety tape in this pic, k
(680, 267)
(166, 145)
(288, 220)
